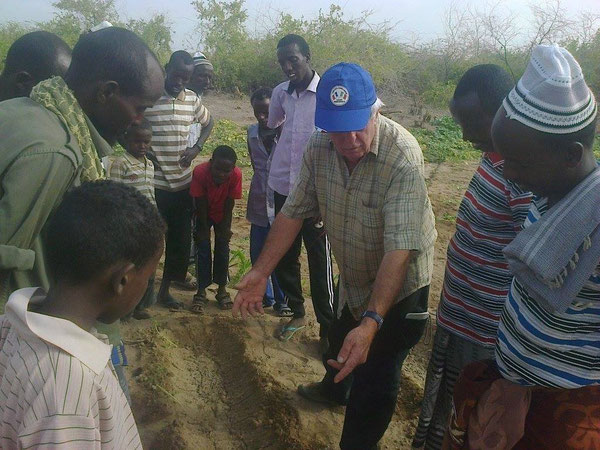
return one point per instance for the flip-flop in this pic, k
(289, 329)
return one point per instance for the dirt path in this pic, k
(213, 382)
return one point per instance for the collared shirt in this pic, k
(297, 114)
(58, 387)
(477, 278)
(135, 172)
(256, 211)
(171, 119)
(382, 206)
(39, 161)
(539, 348)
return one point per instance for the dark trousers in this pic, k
(176, 210)
(320, 269)
(372, 389)
(207, 269)
(258, 237)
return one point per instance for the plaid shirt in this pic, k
(382, 206)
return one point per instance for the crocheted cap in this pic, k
(552, 95)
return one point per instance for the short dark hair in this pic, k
(143, 124)
(294, 39)
(112, 53)
(35, 53)
(261, 94)
(100, 224)
(181, 56)
(224, 152)
(491, 83)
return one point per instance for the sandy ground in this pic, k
(214, 382)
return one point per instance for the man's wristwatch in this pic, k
(373, 315)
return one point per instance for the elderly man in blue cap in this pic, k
(363, 174)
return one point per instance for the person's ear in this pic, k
(121, 277)
(24, 83)
(308, 57)
(106, 90)
(574, 154)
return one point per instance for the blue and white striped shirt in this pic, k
(536, 347)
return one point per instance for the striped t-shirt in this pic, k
(58, 388)
(477, 278)
(537, 347)
(134, 172)
(171, 119)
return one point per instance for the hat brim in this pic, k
(342, 121)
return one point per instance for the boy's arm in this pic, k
(225, 224)
(276, 112)
(201, 230)
(204, 133)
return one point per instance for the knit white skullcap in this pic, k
(200, 59)
(552, 95)
(102, 25)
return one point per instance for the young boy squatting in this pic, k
(216, 185)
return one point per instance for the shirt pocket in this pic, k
(371, 224)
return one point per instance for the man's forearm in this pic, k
(204, 133)
(390, 279)
(280, 239)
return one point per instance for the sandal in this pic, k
(197, 307)
(200, 298)
(224, 301)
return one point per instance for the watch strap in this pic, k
(373, 315)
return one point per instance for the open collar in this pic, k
(84, 346)
(312, 86)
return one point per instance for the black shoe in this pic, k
(317, 392)
(141, 314)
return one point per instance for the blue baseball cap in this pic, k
(345, 95)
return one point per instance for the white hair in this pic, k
(375, 107)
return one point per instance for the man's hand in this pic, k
(188, 156)
(355, 349)
(251, 290)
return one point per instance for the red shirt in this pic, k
(204, 186)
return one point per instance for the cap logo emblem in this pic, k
(339, 95)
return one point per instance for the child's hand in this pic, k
(251, 290)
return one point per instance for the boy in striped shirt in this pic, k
(134, 169)
(172, 117)
(58, 386)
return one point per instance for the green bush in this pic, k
(444, 142)
(229, 133)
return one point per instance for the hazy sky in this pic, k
(421, 18)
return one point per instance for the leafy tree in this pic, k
(156, 32)
(85, 14)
